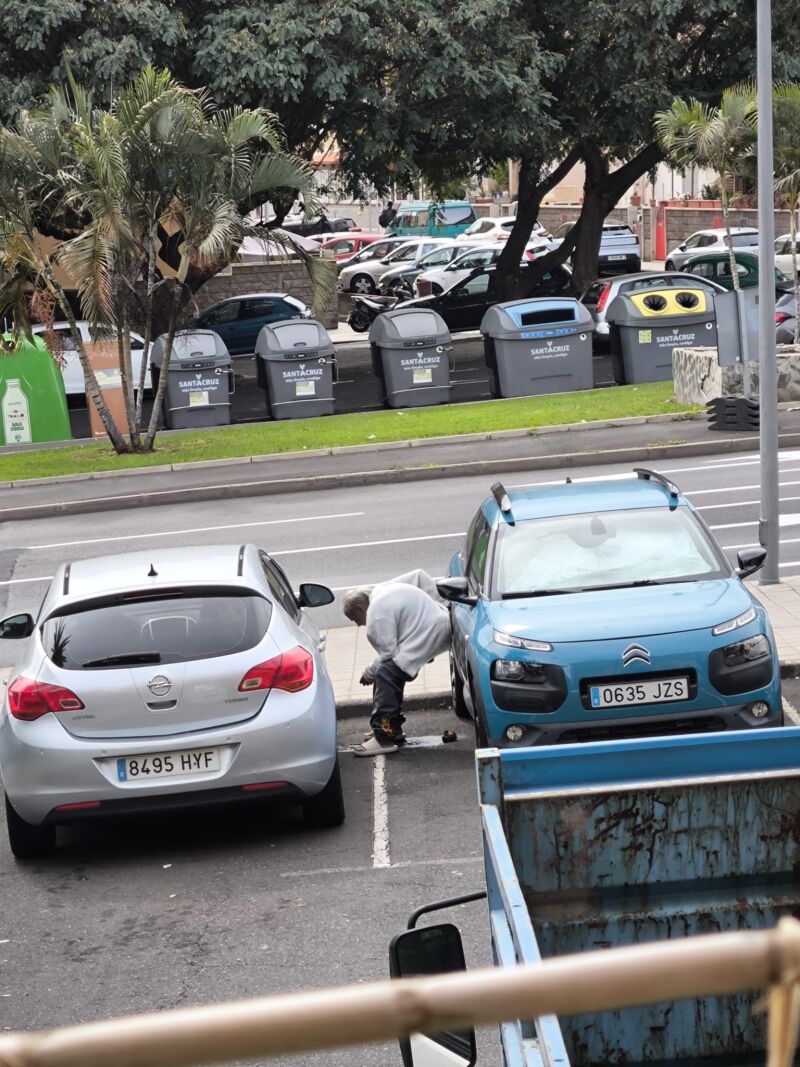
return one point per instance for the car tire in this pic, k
(669, 265)
(481, 736)
(28, 842)
(326, 809)
(457, 692)
(363, 284)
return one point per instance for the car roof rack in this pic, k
(503, 502)
(654, 476)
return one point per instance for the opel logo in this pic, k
(635, 654)
(159, 686)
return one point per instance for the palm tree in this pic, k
(786, 126)
(720, 138)
(159, 162)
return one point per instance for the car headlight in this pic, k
(500, 638)
(734, 624)
(746, 651)
(515, 670)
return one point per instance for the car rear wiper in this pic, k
(538, 592)
(124, 659)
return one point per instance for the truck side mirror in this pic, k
(16, 627)
(314, 596)
(750, 560)
(425, 951)
(456, 590)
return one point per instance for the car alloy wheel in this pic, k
(363, 284)
(457, 692)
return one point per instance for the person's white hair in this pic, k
(352, 598)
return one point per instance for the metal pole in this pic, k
(769, 524)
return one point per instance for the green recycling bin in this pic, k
(33, 406)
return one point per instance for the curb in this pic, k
(231, 490)
(434, 701)
(367, 449)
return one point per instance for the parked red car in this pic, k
(343, 246)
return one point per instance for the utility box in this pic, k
(33, 406)
(295, 365)
(647, 324)
(199, 379)
(538, 346)
(411, 357)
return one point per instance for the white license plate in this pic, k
(167, 764)
(629, 694)
(617, 257)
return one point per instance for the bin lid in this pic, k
(660, 305)
(408, 328)
(556, 316)
(191, 346)
(293, 339)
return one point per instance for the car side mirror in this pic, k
(750, 560)
(15, 627)
(314, 596)
(423, 952)
(456, 590)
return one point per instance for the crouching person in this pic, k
(407, 628)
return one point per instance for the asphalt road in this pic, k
(354, 536)
(150, 914)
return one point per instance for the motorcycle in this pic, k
(367, 308)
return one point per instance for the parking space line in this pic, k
(791, 712)
(367, 544)
(22, 581)
(380, 815)
(455, 861)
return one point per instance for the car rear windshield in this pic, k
(172, 626)
(611, 548)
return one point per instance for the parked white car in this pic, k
(72, 372)
(742, 237)
(497, 229)
(365, 277)
(438, 280)
(783, 253)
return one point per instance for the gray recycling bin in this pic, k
(411, 357)
(541, 345)
(648, 323)
(295, 364)
(199, 379)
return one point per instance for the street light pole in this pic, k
(769, 524)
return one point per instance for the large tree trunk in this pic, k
(529, 198)
(795, 276)
(602, 191)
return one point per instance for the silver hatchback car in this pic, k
(168, 679)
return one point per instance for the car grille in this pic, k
(707, 724)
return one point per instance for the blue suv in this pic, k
(605, 609)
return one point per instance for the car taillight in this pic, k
(781, 317)
(29, 700)
(604, 295)
(291, 671)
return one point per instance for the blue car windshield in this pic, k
(591, 551)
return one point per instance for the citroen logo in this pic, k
(635, 654)
(159, 686)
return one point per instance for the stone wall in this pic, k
(280, 276)
(698, 377)
(683, 222)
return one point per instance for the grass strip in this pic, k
(266, 438)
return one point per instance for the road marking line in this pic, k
(791, 711)
(456, 861)
(741, 503)
(20, 581)
(785, 520)
(380, 814)
(196, 529)
(367, 544)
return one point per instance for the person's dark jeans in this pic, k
(386, 720)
